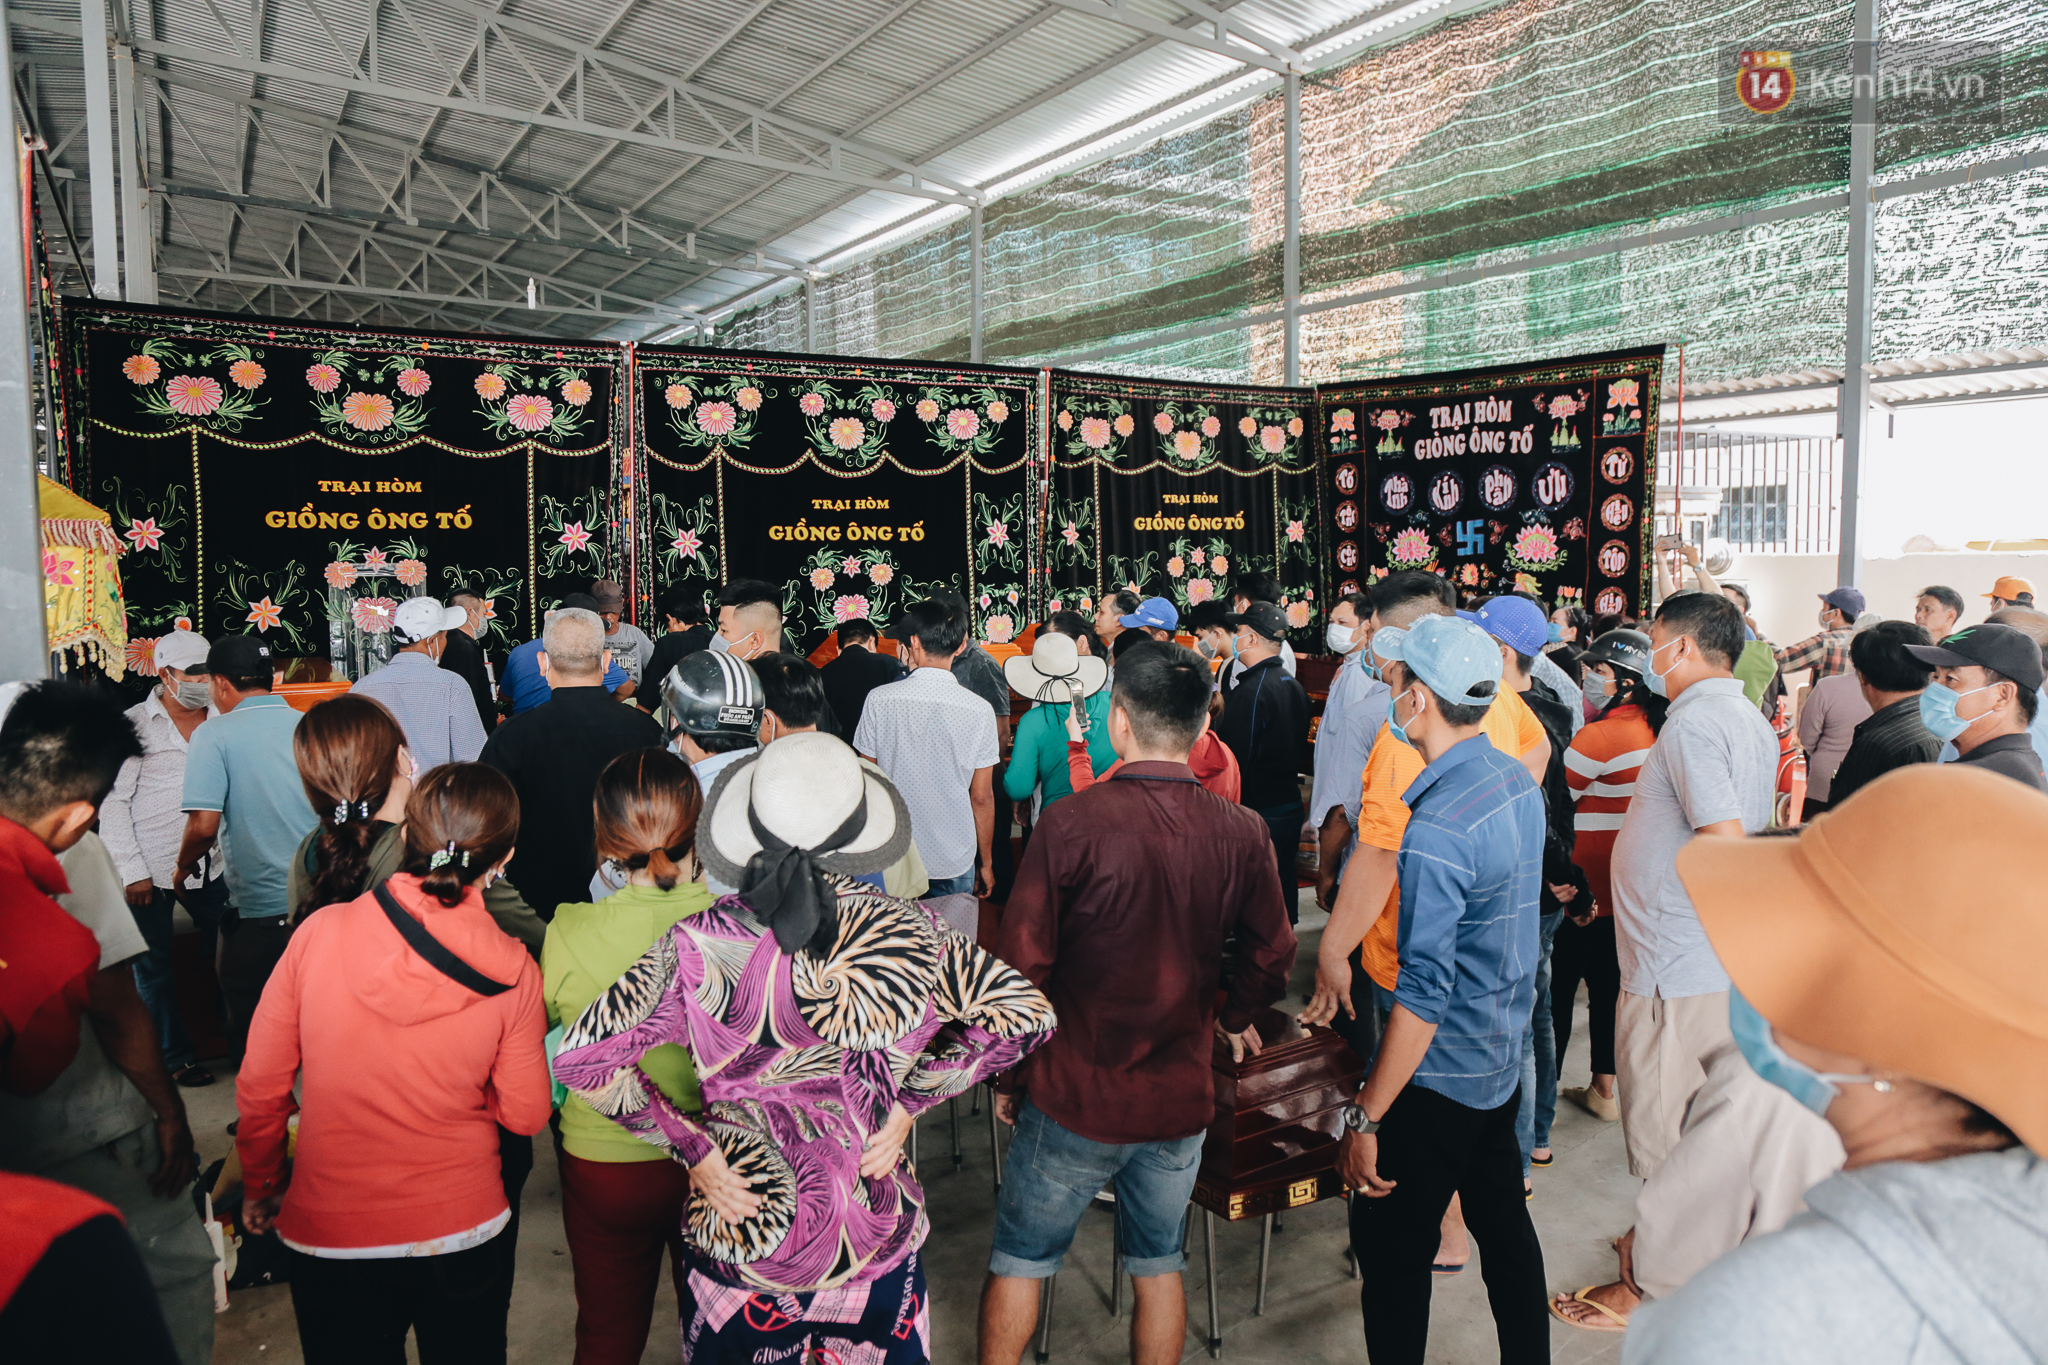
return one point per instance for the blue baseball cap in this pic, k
(1450, 655)
(1157, 612)
(1516, 622)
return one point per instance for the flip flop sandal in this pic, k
(1616, 1322)
(1438, 1268)
(1550, 1160)
(192, 1076)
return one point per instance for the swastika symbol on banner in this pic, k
(1472, 538)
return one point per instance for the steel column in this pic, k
(1290, 286)
(1854, 410)
(810, 317)
(138, 243)
(24, 648)
(99, 129)
(974, 284)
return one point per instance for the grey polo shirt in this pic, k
(1717, 759)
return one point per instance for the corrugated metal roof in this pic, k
(1948, 378)
(350, 159)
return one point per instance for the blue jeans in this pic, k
(1539, 1054)
(953, 886)
(1054, 1174)
(153, 969)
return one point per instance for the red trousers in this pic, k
(618, 1216)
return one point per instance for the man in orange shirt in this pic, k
(1359, 962)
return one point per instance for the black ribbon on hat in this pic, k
(787, 889)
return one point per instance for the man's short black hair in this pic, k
(1257, 586)
(1413, 585)
(1740, 592)
(937, 627)
(1463, 713)
(793, 688)
(1126, 601)
(857, 631)
(745, 592)
(1128, 641)
(1163, 689)
(2030, 703)
(1206, 616)
(724, 742)
(1948, 597)
(1880, 657)
(1713, 622)
(681, 604)
(1071, 624)
(62, 742)
(1360, 604)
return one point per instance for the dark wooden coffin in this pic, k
(1273, 1144)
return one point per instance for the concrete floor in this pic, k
(1312, 1308)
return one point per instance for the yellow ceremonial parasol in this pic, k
(82, 607)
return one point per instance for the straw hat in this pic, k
(1055, 670)
(802, 788)
(1850, 938)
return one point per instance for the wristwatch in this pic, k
(1356, 1120)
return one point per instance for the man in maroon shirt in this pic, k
(1127, 894)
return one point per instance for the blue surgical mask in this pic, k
(1556, 633)
(1367, 666)
(1595, 686)
(1341, 639)
(1938, 710)
(1761, 1049)
(1652, 678)
(1394, 724)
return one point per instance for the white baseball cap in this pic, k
(419, 617)
(181, 649)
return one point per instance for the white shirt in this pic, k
(931, 735)
(143, 819)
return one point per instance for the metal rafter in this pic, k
(1225, 36)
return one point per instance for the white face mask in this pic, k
(1341, 639)
(193, 693)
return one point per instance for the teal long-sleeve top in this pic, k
(1039, 757)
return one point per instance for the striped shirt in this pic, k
(1601, 767)
(433, 706)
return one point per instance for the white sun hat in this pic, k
(1055, 670)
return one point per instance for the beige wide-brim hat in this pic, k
(1851, 937)
(1055, 670)
(802, 788)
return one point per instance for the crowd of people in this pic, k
(722, 923)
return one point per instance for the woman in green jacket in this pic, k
(623, 1199)
(1058, 674)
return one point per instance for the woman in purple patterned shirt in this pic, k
(822, 1016)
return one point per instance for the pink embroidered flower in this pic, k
(530, 412)
(414, 381)
(372, 615)
(576, 392)
(1161, 423)
(822, 579)
(927, 410)
(58, 569)
(1294, 426)
(373, 559)
(1212, 426)
(1564, 405)
(1296, 532)
(145, 533)
(1247, 426)
(882, 410)
(1411, 547)
(490, 387)
(1000, 629)
(812, 404)
(1343, 419)
(1388, 420)
(1094, 433)
(847, 432)
(749, 398)
(852, 607)
(246, 374)
(963, 424)
(679, 395)
(1176, 566)
(716, 419)
(1124, 424)
(193, 395)
(367, 411)
(411, 572)
(1200, 590)
(1272, 440)
(881, 575)
(687, 544)
(326, 379)
(1536, 544)
(339, 574)
(1186, 444)
(849, 566)
(575, 537)
(265, 614)
(999, 412)
(998, 533)
(1065, 420)
(1130, 587)
(1196, 555)
(1298, 614)
(1070, 534)
(141, 369)
(1219, 566)
(141, 657)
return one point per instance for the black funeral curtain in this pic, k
(1178, 491)
(296, 481)
(1533, 476)
(854, 486)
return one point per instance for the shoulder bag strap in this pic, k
(438, 957)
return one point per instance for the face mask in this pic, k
(1340, 638)
(1760, 1048)
(1653, 679)
(1595, 687)
(193, 694)
(1394, 724)
(1368, 667)
(1938, 710)
(1556, 633)
(719, 644)
(1205, 649)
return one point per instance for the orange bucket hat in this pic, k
(1850, 937)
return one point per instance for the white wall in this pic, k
(1786, 588)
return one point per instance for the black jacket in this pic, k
(1265, 724)
(1560, 835)
(850, 677)
(464, 657)
(670, 650)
